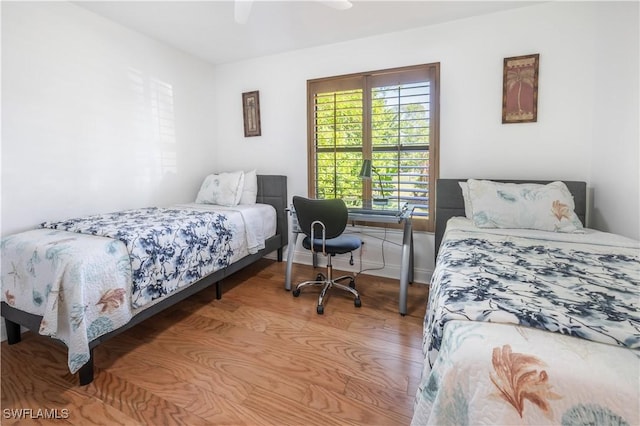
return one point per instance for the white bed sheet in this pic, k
(586, 236)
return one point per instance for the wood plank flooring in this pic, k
(257, 357)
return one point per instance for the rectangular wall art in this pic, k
(520, 89)
(251, 113)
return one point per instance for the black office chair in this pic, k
(323, 222)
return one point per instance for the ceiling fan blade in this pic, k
(337, 4)
(242, 10)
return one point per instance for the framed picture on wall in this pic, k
(251, 113)
(520, 89)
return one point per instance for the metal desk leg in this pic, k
(290, 252)
(411, 259)
(406, 267)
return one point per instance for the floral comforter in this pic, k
(168, 248)
(581, 285)
(89, 276)
(78, 300)
(500, 374)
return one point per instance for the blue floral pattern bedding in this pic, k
(504, 304)
(168, 248)
(589, 291)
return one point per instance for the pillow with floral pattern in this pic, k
(547, 207)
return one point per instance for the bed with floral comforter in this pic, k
(531, 327)
(89, 276)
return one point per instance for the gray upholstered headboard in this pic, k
(449, 201)
(272, 189)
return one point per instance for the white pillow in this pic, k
(529, 206)
(223, 189)
(467, 201)
(250, 190)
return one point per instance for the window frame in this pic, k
(363, 81)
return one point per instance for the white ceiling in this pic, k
(207, 29)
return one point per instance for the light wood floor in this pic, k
(258, 356)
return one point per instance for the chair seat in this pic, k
(339, 245)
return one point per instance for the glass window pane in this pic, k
(338, 140)
(398, 139)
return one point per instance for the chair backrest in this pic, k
(332, 213)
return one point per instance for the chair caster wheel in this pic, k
(296, 292)
(320, 310)
(319, 277)
(352, 283)
(357, 302)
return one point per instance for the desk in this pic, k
(402, 215)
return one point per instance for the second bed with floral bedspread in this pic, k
(549, 294)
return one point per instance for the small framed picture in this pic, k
(520, 89)
(251, 113)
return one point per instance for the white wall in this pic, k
(97, 118)
(587, 125)
(615, 170)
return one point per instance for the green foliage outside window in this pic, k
(398, 143)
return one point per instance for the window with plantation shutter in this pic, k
(389, 117)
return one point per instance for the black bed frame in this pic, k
(272, 189)
(450, 203)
